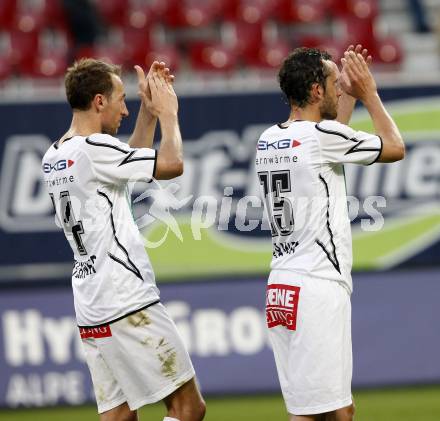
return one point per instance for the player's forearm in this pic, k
(143, 133)
(346, 105)
(386, 128)
(170, 154)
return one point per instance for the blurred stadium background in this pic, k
(212, 265)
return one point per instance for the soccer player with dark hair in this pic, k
(133, 350)
(300, 166)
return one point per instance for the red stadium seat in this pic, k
(244, 39)
(49, 65)
(55, 15)
(139, 16)
(363, 9)
(114, 12)
(166, 53)
(212, 57)
(7, 12)
(5, 68)
(186, 13)
(228, 9)
(271, 55)
(305, 11)
(333, 46)
(24, 46)
(137, 44)
(360, 31)
(311, 41)
(34, 15)
(338, 7)
(360, 8)
(389, 51)
(43, 55)
(104, 52)
(251, 11)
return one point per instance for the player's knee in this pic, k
(352, 410)
(127, 416)
(200, 411)
(197, 411)
(188, 411)
(347, 413)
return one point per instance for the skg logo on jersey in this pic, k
(264, 145)
(60, 165)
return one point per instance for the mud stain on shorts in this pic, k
(100, 394)
(168, 361)
(139, 319)
(147, 341)
(161, 343)
(180, 384)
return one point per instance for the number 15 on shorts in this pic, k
(282, 305)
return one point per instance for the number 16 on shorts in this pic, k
(282, 305)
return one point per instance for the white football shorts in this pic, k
(139, 359)
(309, 322)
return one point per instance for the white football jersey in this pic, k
(87, 181)
(301, 174)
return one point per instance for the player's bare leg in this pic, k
(343, 414)
(186, 403)
(120, 413)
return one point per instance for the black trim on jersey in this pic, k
(121, 317)
(153, 176)
(55, 144)
(355, 148)
(335, 261)
(133, 269)
(113, 257)
(106, 145)
(286, 127)
(128, 160)
(380, 151)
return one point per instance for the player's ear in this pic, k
(317, 92)
(99, 102)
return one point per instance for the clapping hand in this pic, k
(158, 70)
(356, 79)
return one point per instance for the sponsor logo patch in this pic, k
(60, 165)
(265, 145)
(282, 305)
(95, 332)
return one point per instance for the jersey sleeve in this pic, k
(341, 144)
(114, 162)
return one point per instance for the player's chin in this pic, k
(329, 115)
(110, 131)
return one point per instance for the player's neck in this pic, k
(308, 113)
(84, 123)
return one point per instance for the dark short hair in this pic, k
(87, 78)
(300, 70)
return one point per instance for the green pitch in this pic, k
(382, 405)
(218, 253)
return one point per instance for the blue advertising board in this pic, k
(395, 337)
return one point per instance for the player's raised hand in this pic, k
(143, 82)
(163, 97)
(356, 78)
(344, 79)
